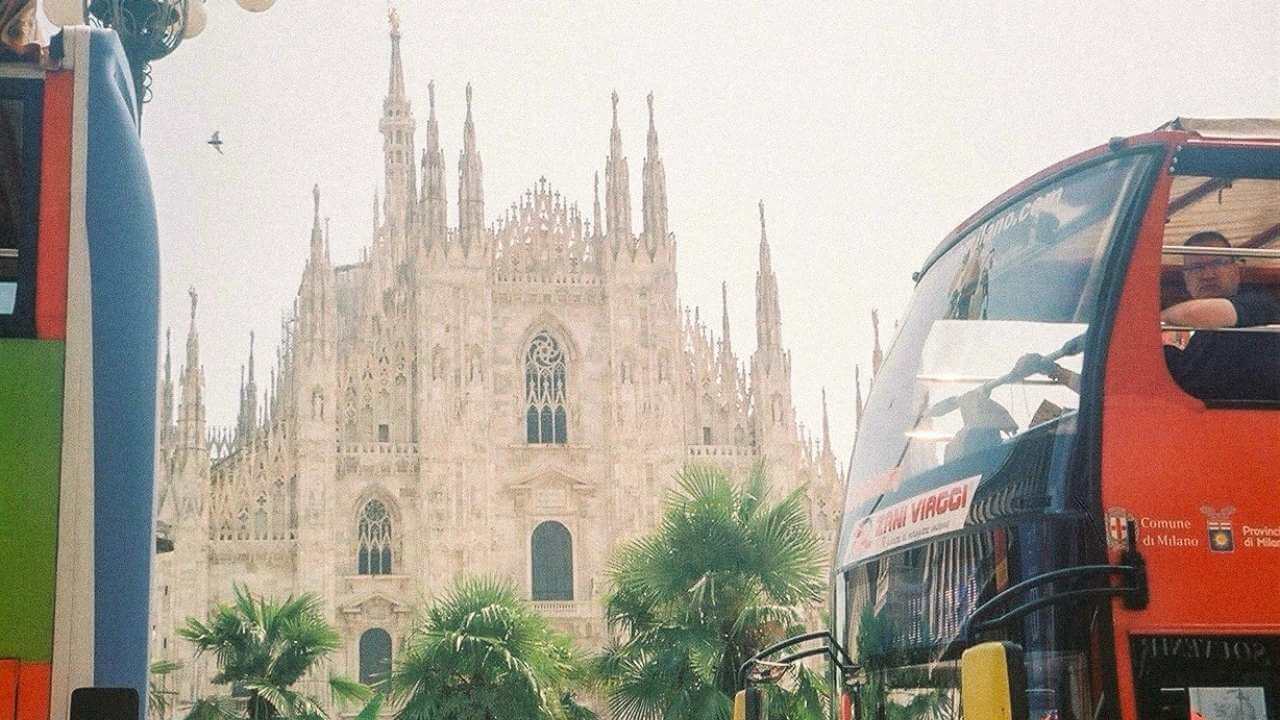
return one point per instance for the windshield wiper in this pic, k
(947, 405)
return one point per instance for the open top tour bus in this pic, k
(1062, 499)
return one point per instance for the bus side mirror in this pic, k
(993, 682)
(749, 704)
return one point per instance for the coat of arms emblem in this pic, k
(1221, 536)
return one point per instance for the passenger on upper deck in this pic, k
(1222, 365)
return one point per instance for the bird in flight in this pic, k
(216, 142)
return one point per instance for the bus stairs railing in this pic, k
(1134, 592)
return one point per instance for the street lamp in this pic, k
(148, 29)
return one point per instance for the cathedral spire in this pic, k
(395, 85)
(826, 426)
(876, 355)
(857, 398)
(397, 126)
(470, 185)
(435, 204)
(597, 227)
(724, 316)
(768, 316)
(191, 427)
(166, 393)
(655, 189)
(193, 339)
(168, 361)
(248, 417)
(617, 191)
(318, 253)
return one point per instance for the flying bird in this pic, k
(216, 142)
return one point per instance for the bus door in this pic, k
(1191, 439)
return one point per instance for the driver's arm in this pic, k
(1201, 313)
(1063, 376)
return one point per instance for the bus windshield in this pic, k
(966, 436)
(992, 346)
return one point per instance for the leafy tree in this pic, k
(482, 653)
(724, 575)
(263, 649)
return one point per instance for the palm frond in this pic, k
(212, 708)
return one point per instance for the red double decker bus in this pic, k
(1061, 501)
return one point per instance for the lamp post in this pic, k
(148, 29)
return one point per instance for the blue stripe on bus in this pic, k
(124, 273)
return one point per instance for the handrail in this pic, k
(1034, 605)
(1249, 329)
(830, 648)
(1261, 253)
(1135, 594)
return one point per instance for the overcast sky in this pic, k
(868, 129)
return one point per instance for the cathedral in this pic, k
(508, 396)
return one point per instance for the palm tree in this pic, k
(159, 696)
(482, 653)
(263, 649)
(723, 575)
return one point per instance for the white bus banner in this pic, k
(924, 516)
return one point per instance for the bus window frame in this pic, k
(1214, 160)
(28, 90)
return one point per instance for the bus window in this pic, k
(10, 201)
(19, 187)
(1220, 291)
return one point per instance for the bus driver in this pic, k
(1222, 365)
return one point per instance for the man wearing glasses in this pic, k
(1222, 365)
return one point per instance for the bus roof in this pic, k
(1227, 128)
(1178, 130)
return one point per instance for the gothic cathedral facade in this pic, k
(510, 398)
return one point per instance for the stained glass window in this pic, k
(374, 555)
(546, 420)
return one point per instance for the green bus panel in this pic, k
(31, 440)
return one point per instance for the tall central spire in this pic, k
(655, 189)
(470, 185)
(397, 127)
(617, 188)
(395, 87)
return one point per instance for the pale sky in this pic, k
(868, 129)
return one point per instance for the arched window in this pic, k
(374, 555)
(375, 656)
(546, 421)
(552, 562)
